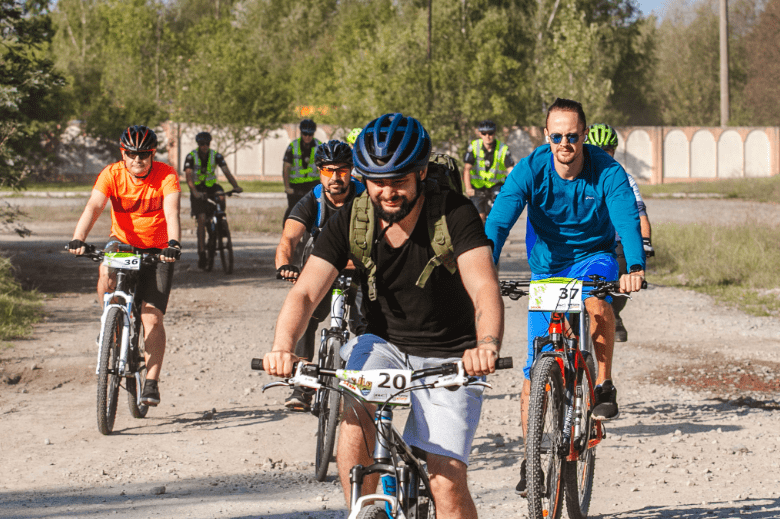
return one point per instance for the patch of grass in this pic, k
(249, 186)
(735, 264)
(56, 186)
(19, 309)
(756, 189)
(245, 219)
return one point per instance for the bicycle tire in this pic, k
(578, 475)
(328, 419)
(139, 365)
(545, 465)
(211, 246)
(225, 246)
(372, 512)
(108, 383)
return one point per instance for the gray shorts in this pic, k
(441, 421)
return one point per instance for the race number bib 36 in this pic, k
(122, 260)
(555, 295)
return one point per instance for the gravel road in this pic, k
(699, 388)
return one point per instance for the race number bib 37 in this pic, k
(555, 295)
(122, 260)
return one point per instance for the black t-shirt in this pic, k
(189, 161)
(305, 211)
(434, 321)
(471, 157)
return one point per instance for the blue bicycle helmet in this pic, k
(391, 147)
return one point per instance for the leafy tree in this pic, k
(29, 90)
(762, 87)
(226, 86)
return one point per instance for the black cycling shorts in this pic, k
(198, 206)
(154, 282)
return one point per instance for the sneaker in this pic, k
(150, 395)
(521, 488)
(202, 262)
(606, 407)
(299, 401)
(621, 335)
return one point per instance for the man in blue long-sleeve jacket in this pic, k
(577, 196)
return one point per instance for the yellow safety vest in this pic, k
(481, 176)
(205, 173)
(299, 174)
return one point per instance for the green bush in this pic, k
(19, 309)
(735, 264)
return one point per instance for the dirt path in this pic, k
(699, 434)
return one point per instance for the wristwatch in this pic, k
(635, 268)
(174, 243)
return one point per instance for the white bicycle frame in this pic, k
(127, 332)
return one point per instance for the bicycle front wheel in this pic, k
(578, 474)
(225, 245)
(108, 376)
(330, 408)
(138, 366)
(211, 245)
(372, 512)
(545, 430)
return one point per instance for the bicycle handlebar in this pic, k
(96, 255)
(515, 289)
(445, 369)
(210, 197)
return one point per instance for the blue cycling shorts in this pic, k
(604, 265)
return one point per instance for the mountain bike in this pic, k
(219, 234)
(562, 435)
(121, 339)
(387, 388)
(326, 405)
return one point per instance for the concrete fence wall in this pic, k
(651, 154)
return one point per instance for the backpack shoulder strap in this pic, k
(443, 252)
(319, 223)
(361, 239)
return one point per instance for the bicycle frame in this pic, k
(128, 332)
(572, 364)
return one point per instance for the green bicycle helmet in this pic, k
(353, 135)
(602, 135)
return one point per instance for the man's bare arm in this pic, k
(481, 281)
(95, 205)
(291, 235)
(298, 307)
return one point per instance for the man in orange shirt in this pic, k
(145, 198)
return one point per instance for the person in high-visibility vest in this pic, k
(488, 162)
(298, 172)
(200, 168)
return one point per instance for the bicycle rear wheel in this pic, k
(330, 408)
(211, 245)
(225, 245)
(108, 376)
(138, 365)
(578, 475)
(545, 426)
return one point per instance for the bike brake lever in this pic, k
(474, 382)
(285, 383)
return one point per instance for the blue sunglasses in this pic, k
(571, 138)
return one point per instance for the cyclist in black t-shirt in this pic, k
(334, 162)
(454, 315)
(200, 167)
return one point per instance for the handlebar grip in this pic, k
(644, 284)
(504, 363)
(257, 364)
